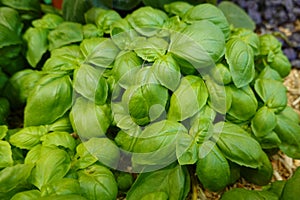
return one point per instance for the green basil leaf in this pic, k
(249, 37)
(33, 5)
(261, 175)
(108, 154)
(122, 34)
(150, 49)
(74, 10)
(48, 21)
(245, 194)
(190, 96)
(64, 197)
(63, 59)
(270, 141)
(53, 96)
(167, 72)
(20, 85)
(269, 73)
(62, 186)
(27, 195)
(198, 46)
(237, 145)
(291, 191)
(6, 159)
(91, 31)
(83, 157)
(221, 74)
(281, 64)
(125, 66)
(269, 45)
(240, 59)
(52, 165)
(105, 19)
(147, 21)
(213, 166)
(145, 103)
(263, 122)
(186, 149)
(12, 177)
(97, 181)
(59, 139)
(220, 98)
(242, 98)
(28, 137)
(3, 131)
(272, 92)
(33, 155)
(99, 52)
(90, 120)
(178, 8)
(288, 132)
(156, 185)
(65, 33)
(236, 15)
(37, 44)
(97, 90)
(10, 19)
(8, 37)
(208, 12)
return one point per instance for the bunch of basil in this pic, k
(149, 93)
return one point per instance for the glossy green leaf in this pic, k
(33, 154)
(263, 122)
(240, 58)
(74, 10)
(20, 85)
(245, 194)
(48, 21)
(190, 96)
(125, 66)
(37, 44)
(269, 46)
(236, 15)
(52, 165)
(237, 145)
(99, 52)
(65, 33)
(105, 150)
(105, 19)
(219, 96)
(89, 82)
(186, 149)
(272, 93)
(12, 177)
(64, 197)
(62, 186)
(261, 175)
(213, 169)
(242, 98)
(178, 8)
(52, 96)
(97, 181)
(167, 72)
(145, 103)
(28, 137)
(59, 139)
(288, 132)
(269, 73)
(221, 74)
(291, 191)
(3, 131)
(150, 49)
(6, 159)
(208, 12)
(147, 21)
(249, 37)
(198, 46)
(90, 120)
(27, 195)
(161, 179)
(83, 158)
(281, 64)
